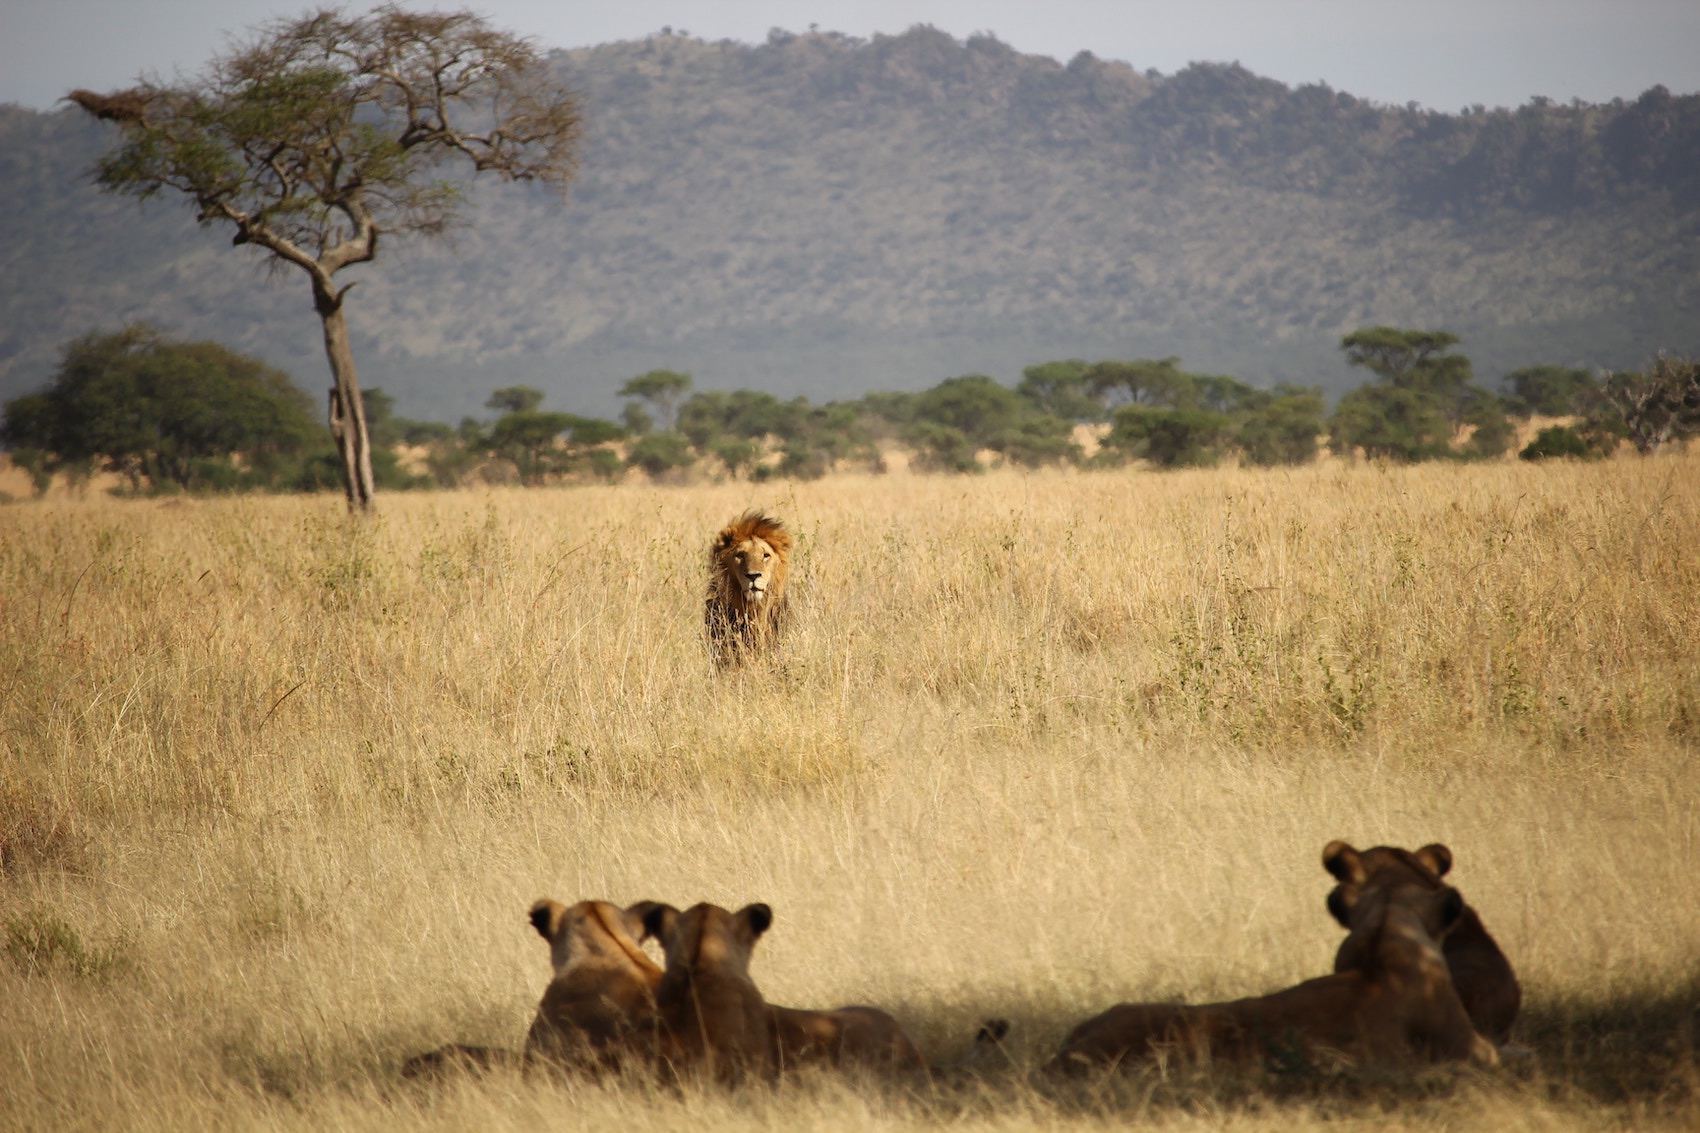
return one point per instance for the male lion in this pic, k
(747, 568)
(714, 1021)
(1396, 1005)
(1481, 973)
(599, 1009)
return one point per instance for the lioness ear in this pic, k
(1452, 907)
(659, 919)
(546, 918)
(1339, 859)
(1340, 901)
(758, 916)
(1436, 857)
(636, 918)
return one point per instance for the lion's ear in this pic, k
(727, 536)
(546, 918)
(659, 920)
(1436, 858)
(636, 919)
(757, 918)
(1451, 908)
(1341, 860)
(1341, 898)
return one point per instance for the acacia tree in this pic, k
(1657, 406)
(662, 389)
(1144, 381)
(329, 131)
(1415, 360)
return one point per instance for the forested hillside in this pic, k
(824, 215)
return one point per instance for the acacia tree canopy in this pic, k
(329, 130)
(662, 389)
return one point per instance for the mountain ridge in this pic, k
(825, 215)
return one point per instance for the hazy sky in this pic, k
(1445, 54)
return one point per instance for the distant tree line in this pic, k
(170, 416)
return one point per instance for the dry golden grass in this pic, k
(277, 789)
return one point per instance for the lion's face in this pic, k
(750, 559)
(750, 563)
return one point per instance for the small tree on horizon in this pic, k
(1143, 381)
(1281, 426)
(662, 389)
(1389, 423)
(514, 399)
(1554, 391)
(1169, 438)
(1658, 405)
(327, 132)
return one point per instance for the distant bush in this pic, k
(940, 448)
(660, 454)
(604, 464)
(1491, 433)
(802, 461)
(161, 412)
(1390, 423)
(1554, 391)
(1557, 441)
(737, 454)
(1282, 428)
(1169, 438)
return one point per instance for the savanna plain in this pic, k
(277, 788)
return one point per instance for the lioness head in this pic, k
(708, 937)
(751, 556)
(1381, 866)
(591, 930)
(1483, 976)
(1368, 909)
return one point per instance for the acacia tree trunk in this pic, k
(347, 408)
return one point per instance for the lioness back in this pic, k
(714, 1021)
(860, 1037)
(599, 1009)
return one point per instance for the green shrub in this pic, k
(1557, 441)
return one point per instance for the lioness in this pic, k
(865, 1038)
(1396, 1005)
(748, 564)
(1481, 973)
(599, 1010)
(714, 1020)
